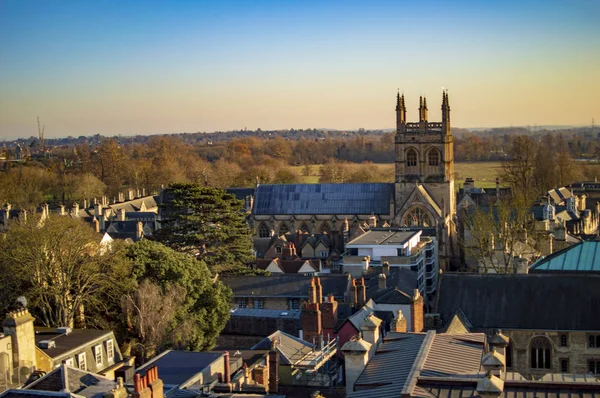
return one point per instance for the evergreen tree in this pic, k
(206, 222)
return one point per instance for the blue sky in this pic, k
(115, 67)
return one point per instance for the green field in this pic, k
(484, 173)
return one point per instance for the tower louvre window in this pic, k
(411, 158)
(434, 157)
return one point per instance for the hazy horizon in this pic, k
(138, 67)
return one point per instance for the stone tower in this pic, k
(424, 189)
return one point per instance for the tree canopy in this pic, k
(206, 222)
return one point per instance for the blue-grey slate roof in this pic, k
(315, 199)
(582, 257)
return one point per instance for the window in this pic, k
(594, 366)
(564, 365)
(293, 304)
(324, 254)
(509, 351)
(110, 349)
(304, 228)
(563, 340)
(98, 354)
(263, 231)
(400, 252)
(259, 304)
(540, 353)
(242, 303)
(433, 157)
(594, 341)
(283, 229)
(278, 249)
(69, 362)
(417, 217)
(411, 158)
(81, 361)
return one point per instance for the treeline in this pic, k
(109, 166)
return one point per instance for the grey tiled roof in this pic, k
(541, 301)
(324, 199)
(253, 312)
(292, 286)
(68, 342)
(178, 367)
(291, 349)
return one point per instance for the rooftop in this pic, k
(67, 342)
(177, 367)
(546, 301)
(383, 237)
(287, 286)
(252, 312)
(582, 257)
(311, 199)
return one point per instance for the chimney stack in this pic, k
(273, 368)
(129, 194)
(490, 386)
(399, 323)
(361, 292)
(96, 225)
(353, 293)
(417, 312)
(319, 289)
(381, 280)
(139, 231)
(226, 369)
(385, 268)
(329, 313)
(156, 385)
(356, 357)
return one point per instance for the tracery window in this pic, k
(417, 217)
(411, 158)
(540, 349)
(433, 157)
(283, 229)
(263, 231)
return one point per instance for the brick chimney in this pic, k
(353, 299)
(312, 291)
(329, 313)
(319, 290)
(361, 292)
(156, 385)
(226, 368)
(273, 368)
(399, 323)
(312, 329)
(416, 312)
(289, 251)
(140, 387)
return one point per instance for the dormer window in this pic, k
(278, 249)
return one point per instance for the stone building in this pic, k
(550, 318)
(422, 196)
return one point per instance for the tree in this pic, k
(59, 265)
(206, 222)
(519, 171)
(176, 281)
(497, 237)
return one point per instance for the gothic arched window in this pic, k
(433, 157)
(283, 229)
(263, 231)
(411, 158)
(304, 228)
(540, 349)
(417, 217)
(324, 228)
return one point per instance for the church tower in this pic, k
(424, 188)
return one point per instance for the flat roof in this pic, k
(258, 313)
(177, 367)
(391, 238)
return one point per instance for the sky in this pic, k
(147, 67)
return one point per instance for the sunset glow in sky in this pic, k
(144, 67)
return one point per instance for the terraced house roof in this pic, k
(323, 199)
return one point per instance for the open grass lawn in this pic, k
(484, 173)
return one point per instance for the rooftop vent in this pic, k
(45, 344)
(64, 330)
